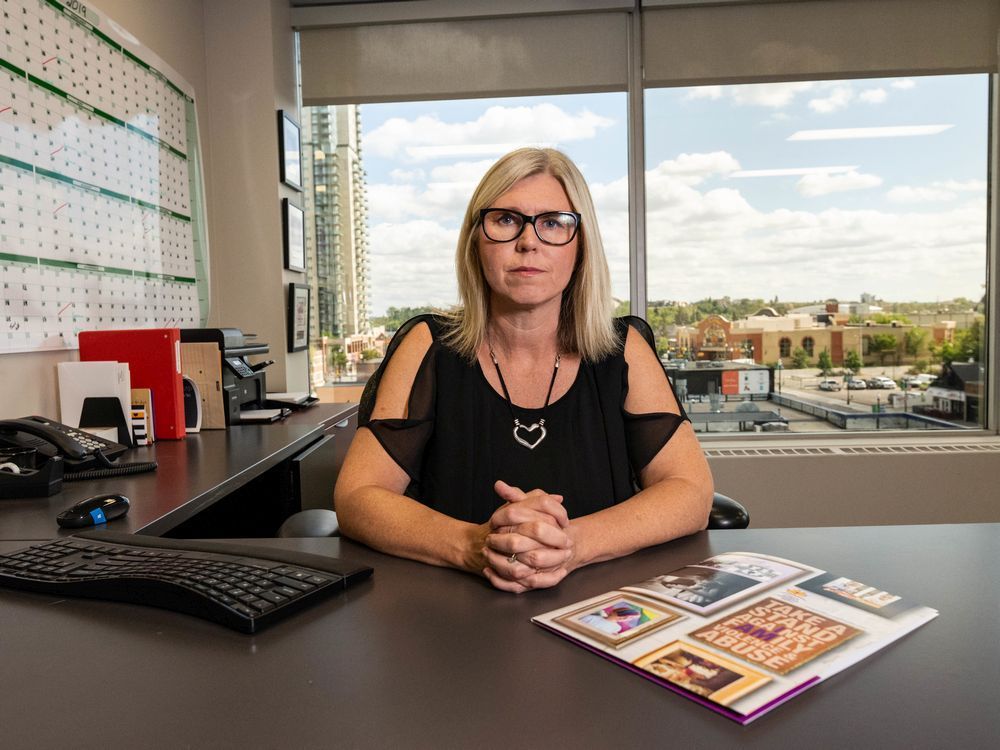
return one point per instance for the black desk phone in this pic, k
(79, 449)
(35, 452)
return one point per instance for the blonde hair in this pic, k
(585, 317)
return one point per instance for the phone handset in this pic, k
(51, 438)
(38, 454)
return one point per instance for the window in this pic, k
(407, 170)
(821, 224)
(423, 161)
(850, 216)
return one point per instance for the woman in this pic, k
(508, 438)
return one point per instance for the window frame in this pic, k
(913, 57)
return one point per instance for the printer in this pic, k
(242, 383)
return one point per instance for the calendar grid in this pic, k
(101, 200)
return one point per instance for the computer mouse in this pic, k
(94, 510)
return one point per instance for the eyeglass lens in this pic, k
(554, 227)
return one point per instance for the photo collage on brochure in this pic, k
(748, 656)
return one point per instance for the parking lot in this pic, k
(804, 384)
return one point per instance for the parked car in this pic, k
(856, 384)
(922, 380)
(881, 381)
(829, 385)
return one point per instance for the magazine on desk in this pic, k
(740, 632)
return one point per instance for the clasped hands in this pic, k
(528, 542)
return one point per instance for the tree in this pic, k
(370, 354)
(971, 341)
(882, 344)
(914, 341)
(824, 362)
(966, 346)
(852, 361)
(338, 360)
(395, 316)
(800, 359)
(886, 319)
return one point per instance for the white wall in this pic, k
(238, 55)
(250, 62)
(863, 490)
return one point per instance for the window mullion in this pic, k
(636, 169)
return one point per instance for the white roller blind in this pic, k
(465, 58)
(820, 39)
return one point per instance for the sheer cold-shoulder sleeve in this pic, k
(404, 439)
(646, 434)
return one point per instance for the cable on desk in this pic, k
(119, 470)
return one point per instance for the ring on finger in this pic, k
(513, 558)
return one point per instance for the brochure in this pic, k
(740, 632)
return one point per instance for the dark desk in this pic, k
(423, 657)
(193, 475)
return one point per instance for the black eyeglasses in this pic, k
(551, 227)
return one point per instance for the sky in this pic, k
(797, 191)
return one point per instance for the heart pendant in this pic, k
(526, 432)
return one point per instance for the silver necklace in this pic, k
(525, 434)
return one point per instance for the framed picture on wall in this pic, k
(289, 145)
(298, 317)
(293, 222)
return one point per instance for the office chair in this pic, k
(726, 513)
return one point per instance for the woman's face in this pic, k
(527, 272)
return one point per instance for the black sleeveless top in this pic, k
(457, 439)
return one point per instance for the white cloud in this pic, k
(412, 264)
(792, 171)
(873, 96)
(768, 94)
(713, 242)
(903, 84)
(692, 169)
(404, 175)
(967, 186)
(939, 191)
(896, 131)
(907, 194)
(610, 197)
(441, 201)
(771, 95)
(837, 99)
(704, 92)
(830, 96)
(496, 131)
(466, 172)
(803, 255)
(443, 195)
(611, 205)
(815, 185)
(447, 151)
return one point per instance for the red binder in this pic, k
(154, 361)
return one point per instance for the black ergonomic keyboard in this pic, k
(242, 587)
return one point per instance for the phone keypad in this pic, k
(88, 441)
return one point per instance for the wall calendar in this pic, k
(101, 197)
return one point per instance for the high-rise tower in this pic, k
(336, 220)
